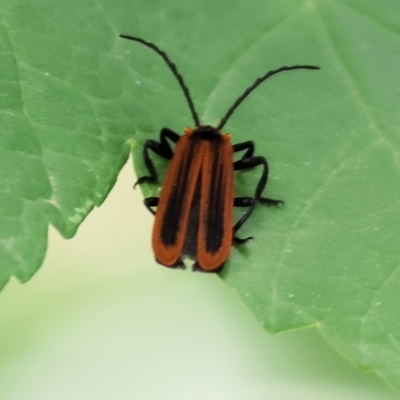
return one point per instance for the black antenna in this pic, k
(174, 70)
(254, 85)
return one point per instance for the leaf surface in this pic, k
(75, 98)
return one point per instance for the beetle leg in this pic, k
(255, 161)
(162, 148)
(246, 162)
(237, 240)
(150, 202)
(242, 201)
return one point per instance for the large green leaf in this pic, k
(73, 96)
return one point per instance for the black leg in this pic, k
(251, 162)
(255, 161)
(247, 161)
(248, 146)
(237, 240)
(151, 202)
(162, 148)
(270, 202)
(242, 201)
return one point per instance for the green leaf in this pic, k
(73, 95)
(63, 136)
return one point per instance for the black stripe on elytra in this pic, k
(173, 213)
(214, 217)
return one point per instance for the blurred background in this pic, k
(101, 320)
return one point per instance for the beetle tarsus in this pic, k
(144, 179)
(237, 240)
(243, 201)
(150, 202)
(271, 202)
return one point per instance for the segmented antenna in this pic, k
(174, 70)
(254, 85)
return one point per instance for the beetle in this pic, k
(194, 216)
